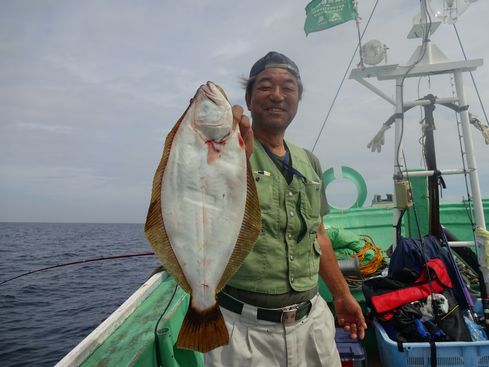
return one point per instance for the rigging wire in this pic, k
(471, 75)
(421, 121)
(443, 237)
(76, 263)
(469, 209)
(418, 228)
(426, 33)
(344, 76)
(468, 203)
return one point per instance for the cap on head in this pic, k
(274, 59)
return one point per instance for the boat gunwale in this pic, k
(97, 337)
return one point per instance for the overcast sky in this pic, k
(89, 90)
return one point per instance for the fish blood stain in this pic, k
(214, 150)
(241, 141)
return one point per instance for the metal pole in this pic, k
(376, 90)
(469, 151)
(476, 195)
(397, 154)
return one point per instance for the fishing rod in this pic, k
(78, 262)
(434, 183)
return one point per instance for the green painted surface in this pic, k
(373, 221)
(419, 217)
(377, 221)
(454, 217)
(132, 344)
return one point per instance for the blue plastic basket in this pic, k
(453, 354)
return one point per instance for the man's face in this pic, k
(274, 99)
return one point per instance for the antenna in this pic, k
(432, 14)
(448, 11)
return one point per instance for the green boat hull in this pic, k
(145, 329)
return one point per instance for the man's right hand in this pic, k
(244, 128)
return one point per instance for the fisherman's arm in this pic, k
(244, 128)
(348, 311)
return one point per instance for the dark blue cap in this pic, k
(274, 59)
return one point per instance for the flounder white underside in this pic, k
(203, 208)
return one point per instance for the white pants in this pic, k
(257, 343)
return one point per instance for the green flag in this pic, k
(323, 14)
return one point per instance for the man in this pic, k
(272, 309)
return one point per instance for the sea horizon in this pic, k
(45, 314)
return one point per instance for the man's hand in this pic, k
(244, 128)
(350, 317)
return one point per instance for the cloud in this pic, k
(57, 129)
(88, 91)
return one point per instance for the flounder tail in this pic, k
(203, 331)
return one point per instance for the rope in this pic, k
(359, 47)
(471, 76)
(373, 268)
(376, 263)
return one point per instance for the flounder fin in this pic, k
(249, 232)
(203, 331)
(154, 227)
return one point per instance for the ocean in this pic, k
(45, 314)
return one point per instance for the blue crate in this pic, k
(453, 354)
(351, 351)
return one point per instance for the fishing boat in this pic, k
(143, 330)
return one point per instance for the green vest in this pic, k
(286, 254)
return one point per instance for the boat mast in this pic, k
(427, 60)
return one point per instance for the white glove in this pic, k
(484, 129)
(378, 140)
(485, 132)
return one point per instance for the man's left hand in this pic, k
(350, 317)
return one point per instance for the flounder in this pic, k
(204, 216)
